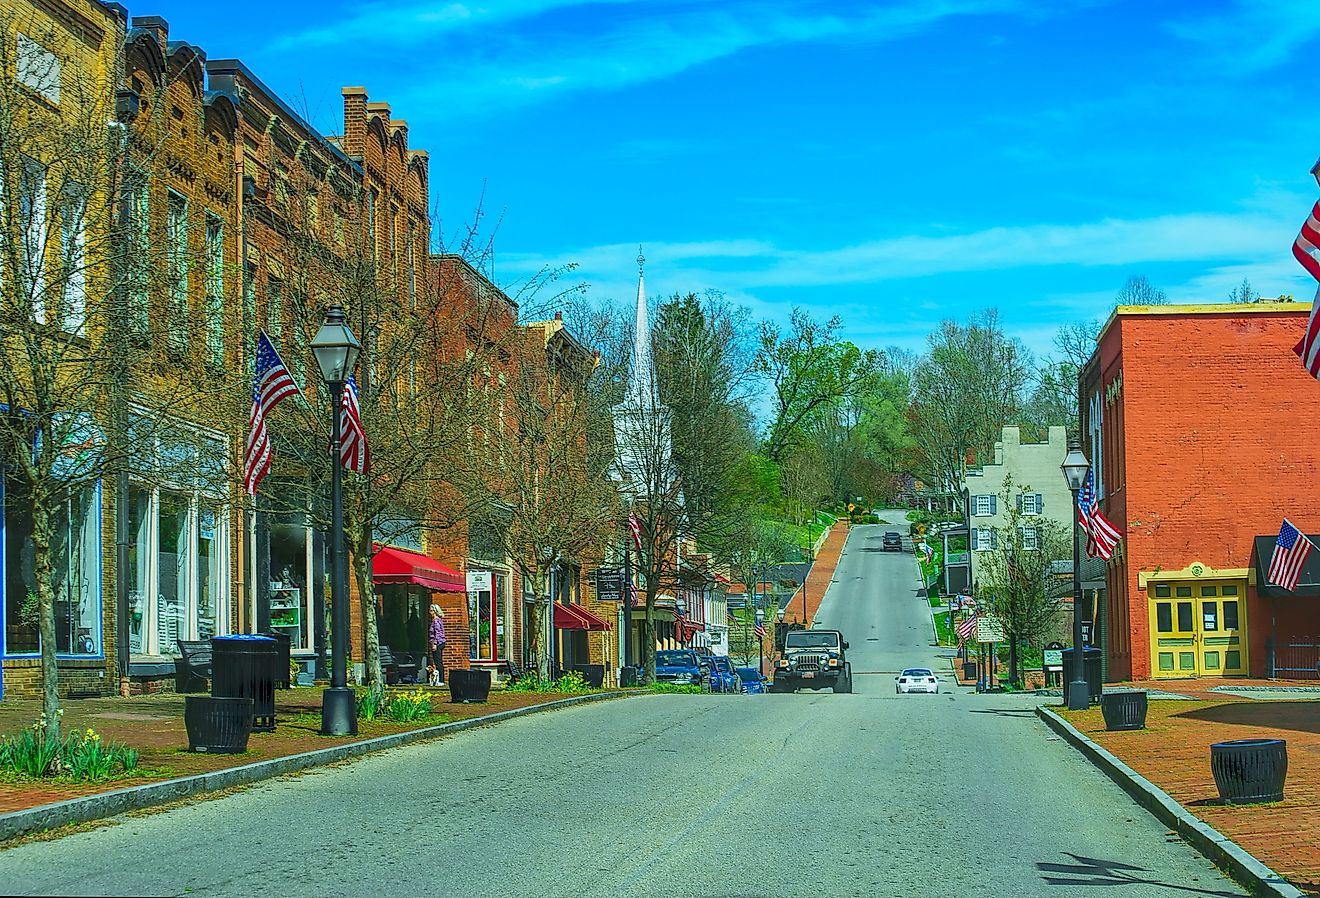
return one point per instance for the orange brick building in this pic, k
(1195, 419)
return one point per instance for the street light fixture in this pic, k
(336, 351)
(1075, 468)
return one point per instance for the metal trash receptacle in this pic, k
(1094, 684)
(284, 649)
(243, 666)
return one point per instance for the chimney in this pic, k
(355, 120)
(159, 28)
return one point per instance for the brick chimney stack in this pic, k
(355, 120)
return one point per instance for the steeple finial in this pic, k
(641, 260)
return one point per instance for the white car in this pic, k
(917, 679)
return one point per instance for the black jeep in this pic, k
(813, 659)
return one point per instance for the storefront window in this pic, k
(290, 601)
(75, 559)
(210, 569)
(486, 626)
(178, 586)
(172, 578)
(139, 526)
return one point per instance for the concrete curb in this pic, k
(1221, 850)
(119, 801)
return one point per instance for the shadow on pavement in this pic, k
(1089, 871)
(1282, 715)
(1005, 712)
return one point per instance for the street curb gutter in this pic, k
(120, 801)
(1221, 850)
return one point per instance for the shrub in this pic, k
(685, 688)
(572, 683)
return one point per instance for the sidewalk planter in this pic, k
(217, 724)
(1250, 771)
(469, 685)
(1124, 709)
(594, 674)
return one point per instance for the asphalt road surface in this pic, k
(812, 794)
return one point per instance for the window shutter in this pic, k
(1040, 504)
(1019, 503)
(994, 505)
(994, 540)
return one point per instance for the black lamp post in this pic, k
(1074, 467)
(336, 351)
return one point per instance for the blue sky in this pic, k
(893, 163)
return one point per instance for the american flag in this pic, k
(966, 627)
(635, 527)
(1101, 535)
(354, 454)
(1290, 553)
(271, 385)
(760, 630)
(1307, 250)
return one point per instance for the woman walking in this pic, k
(437, 641)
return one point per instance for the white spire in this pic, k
(642, 388)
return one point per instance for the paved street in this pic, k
(808, 794)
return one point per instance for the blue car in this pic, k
(722, 676)
(753, 681)
(678, 666)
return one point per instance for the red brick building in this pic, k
(1190, 417)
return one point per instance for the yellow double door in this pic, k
(1198, 629)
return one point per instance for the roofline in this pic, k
(236, 65)
(1200, 308)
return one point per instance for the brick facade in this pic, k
(1193, 411)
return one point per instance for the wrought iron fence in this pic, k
(1295, 658)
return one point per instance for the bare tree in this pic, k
(1019, 572)
(1243, 293)
(1138, 291)
(93, 377)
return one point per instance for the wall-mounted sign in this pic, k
(478, 581)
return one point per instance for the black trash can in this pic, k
(217, 725)
(594, 674)
(469, 685)
(283, 647)
(242, 666)
(1094, 685)
(969, 670)
(1250, 771)
(1124, 709)
(628, 676)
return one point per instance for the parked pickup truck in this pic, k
(813, 659)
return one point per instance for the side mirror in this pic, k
(895, 678)
(845, 643)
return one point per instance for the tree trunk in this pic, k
(50, 672)
(1013, 659)
(648, 636)
(370, 627)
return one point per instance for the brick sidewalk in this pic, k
(154, 725)
(1174, 753)
(822, 572)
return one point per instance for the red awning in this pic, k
(399, 566)
(575, 617)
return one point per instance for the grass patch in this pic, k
(946, 636)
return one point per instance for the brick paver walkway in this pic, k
(1174, 753)
(154, 725)
(822, 572)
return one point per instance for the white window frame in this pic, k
(982, 506)
(1030, 538)
(137, 195)
(1029, 503)
(196, 495)
(32, 223)
(176, 242)
(37, 68)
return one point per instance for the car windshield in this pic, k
(675, 659)
(808, 640)
(892, 534)
(749, 675)
(917, 672)
(723, 664)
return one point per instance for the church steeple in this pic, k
(642, 390)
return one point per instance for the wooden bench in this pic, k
(192, 669)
